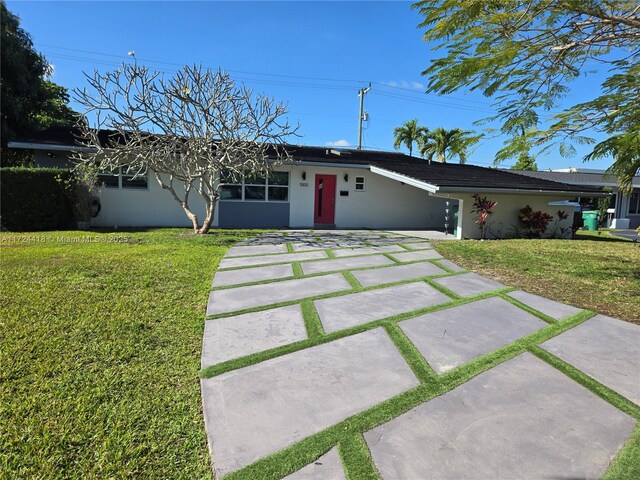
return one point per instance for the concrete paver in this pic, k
(268, 259)
(450, 265)
(256, 250)
(606, 349)
(550, 308)
(522, 419)
(344, 264)
(468, 284)
(232, 337)
(378, 276)
(416, 255)
(350, 252)
(327, 467)
(419, 245)
(224, 278)
(241, 298)
(449, 338)
(255, 411)
(348, 311)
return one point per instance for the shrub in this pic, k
(483, 209)
(534, 222)
(33, 199)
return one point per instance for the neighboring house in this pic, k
(327, 188)
(626, 207)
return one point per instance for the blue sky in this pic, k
(313, 55)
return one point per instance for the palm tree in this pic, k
(442, 144)
(409, 133)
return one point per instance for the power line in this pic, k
(419, 95)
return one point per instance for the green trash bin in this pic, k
(590, 219)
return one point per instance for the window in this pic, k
(256, 187)
(359, 184)
(110, 179)
(634, 202)
(121, 178)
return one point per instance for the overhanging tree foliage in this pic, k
(525, 53)
(29, 101)
(187, 130)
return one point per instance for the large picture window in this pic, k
(120, 178)
(256, 187)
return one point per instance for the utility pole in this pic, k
(361, 93)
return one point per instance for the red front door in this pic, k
(325, 206)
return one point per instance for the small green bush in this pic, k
(33, 199)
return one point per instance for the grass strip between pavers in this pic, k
(353, 281)
(297, 273)
(420, 367)
(298, 455)
(527, 308)
(311, 320)
(356, 458)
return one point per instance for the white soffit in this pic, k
(404, 179)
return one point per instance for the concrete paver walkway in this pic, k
(438, 372)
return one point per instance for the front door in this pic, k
(325, 206)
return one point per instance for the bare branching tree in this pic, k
(186, 130)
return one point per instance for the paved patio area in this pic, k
(338, 354)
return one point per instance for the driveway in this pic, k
(628, 234)
(367, 355)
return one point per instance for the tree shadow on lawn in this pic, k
(601, 237)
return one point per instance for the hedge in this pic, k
(33, 199)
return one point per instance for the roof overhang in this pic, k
(414, 182)
(49, 147)
(306, 163)
(522, 191)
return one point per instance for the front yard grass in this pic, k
(101, 350)
(596, 272)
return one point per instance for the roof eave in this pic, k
(50, 147)
(524, 191)
(414, 182)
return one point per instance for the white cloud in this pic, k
(338, 143)
(413, 85)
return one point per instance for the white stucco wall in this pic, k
(151, 207)
(384, 204)
(506, 213)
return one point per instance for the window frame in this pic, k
(121, 176)
(637, 203)
(357, 183)
(266, 185)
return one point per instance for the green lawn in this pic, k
(100, 353)
(597, 272)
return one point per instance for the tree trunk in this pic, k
(208, 219)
